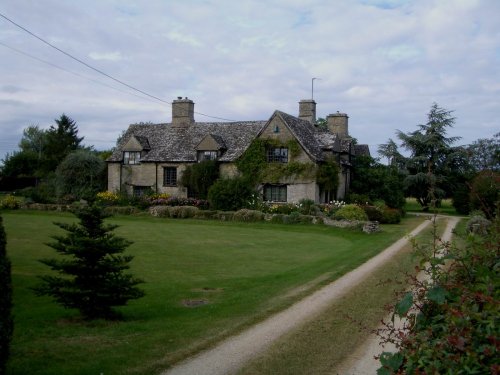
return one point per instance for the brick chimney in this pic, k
(307, 110)
(338, 124)
(182, 113)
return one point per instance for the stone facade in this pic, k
(154, 157)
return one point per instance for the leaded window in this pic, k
(277, 155)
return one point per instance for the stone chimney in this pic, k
(307, 110)
(182, 113)
(338, 124)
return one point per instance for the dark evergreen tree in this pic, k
(59, 142)
(432, 157)
(92, 280)
(6, 322)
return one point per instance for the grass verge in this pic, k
(320, 345)
(240, 272)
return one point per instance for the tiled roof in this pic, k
(172, 144)
(166, 143)
(362, 150)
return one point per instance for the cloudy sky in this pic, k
(384, 62)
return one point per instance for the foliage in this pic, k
(351, 212)
(60, 141)
(199, 177)
(107, 198)
(33, 140)
(178, 212)
(432, 158)
(248, 215)
(44, 192)
(20, 164)
(478, 224)
(166, 200)
(327, 175)
(373, 180)
(93, 279)
(329, 209)
(307, 207)
(6, 321)
(374, 213)
(10, 202)
(485, 192)
(253, 163)
(484, 154)
(81, 174)
(390, 216)
(230, 194)
(461, 199)
(452, 314)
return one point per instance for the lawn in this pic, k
(446, 207)
(243, 272)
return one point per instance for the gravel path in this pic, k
(362, 361)
(231, 354)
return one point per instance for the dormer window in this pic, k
(277, 155)
(131, 157)
(207, 155)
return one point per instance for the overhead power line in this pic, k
(71, 72)
(98, 70)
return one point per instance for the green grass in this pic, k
(446, 207)
(241, 270)
(319, 346)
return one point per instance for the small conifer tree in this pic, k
(6, 322)
(93, 279)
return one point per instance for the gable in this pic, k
(133, 144)
(211, 142)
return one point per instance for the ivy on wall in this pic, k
(327, 175)
(253, 163)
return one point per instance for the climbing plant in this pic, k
(327, 175)
(199, 177)
(253, 163)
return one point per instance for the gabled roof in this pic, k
(363, 150)
(170, 144)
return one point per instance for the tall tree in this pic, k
(390, 151)
(33, 140)
(484, 154)
(6, 322)
(430, 154)
(93, 279)
(60, 141)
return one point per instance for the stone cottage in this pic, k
(154, 156)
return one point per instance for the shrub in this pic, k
(360, 199)
(307, 207)
(230, 194)
(277, 218)
(107, 198)
(10, 202)
(204, 214)
(351, 212)
(374, 213)
(248, 215)
(478, 225)
(121, 210)
(485, 192)
(390, 216)
(461, 199)
(6, 321)
(224, 215)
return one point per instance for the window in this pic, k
(207, 155)
(170, 176)
(275, 193)
(140, 191)
(277, 155)
(132, 157)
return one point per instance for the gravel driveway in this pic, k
(230, 355)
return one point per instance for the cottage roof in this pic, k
(168, 143)
(363, 150)
(305, 133)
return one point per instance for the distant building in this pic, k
(154, 156)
